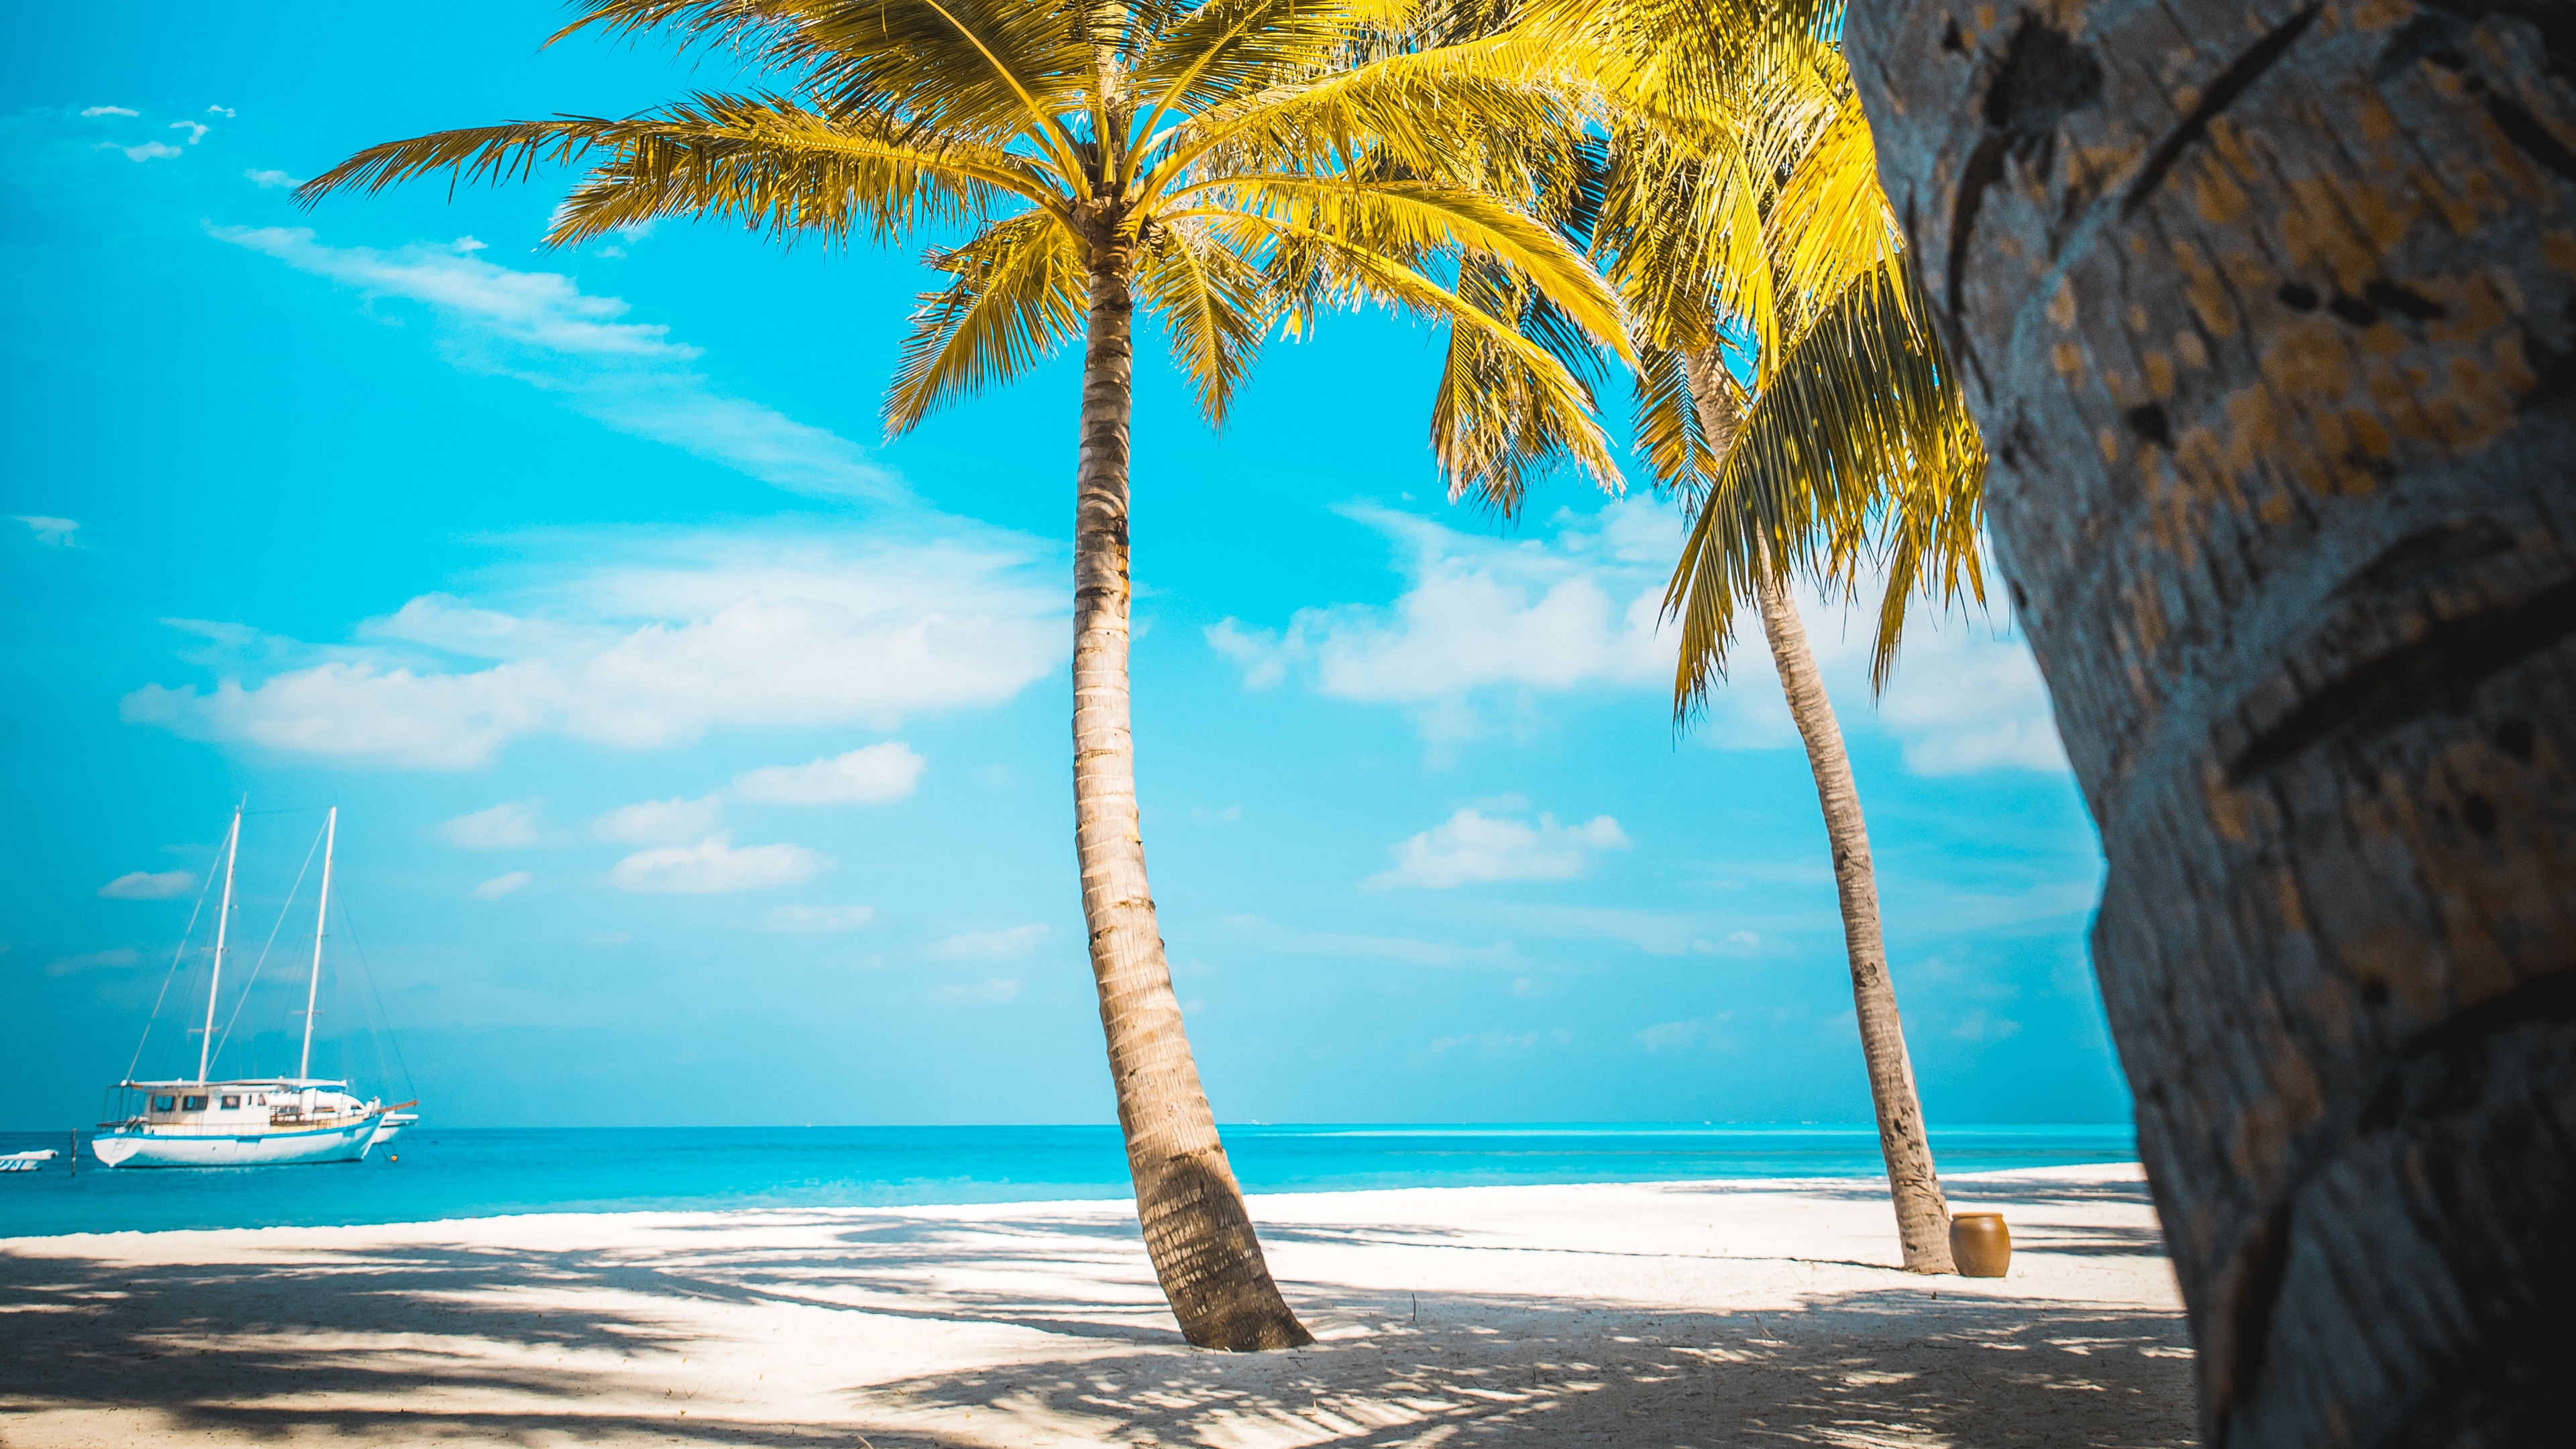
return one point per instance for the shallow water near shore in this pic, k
(433, 1172)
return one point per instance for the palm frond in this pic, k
(761, 159)
(1455, 113)
(1861, 448)
(1831, 222)
(1668, 432)
(1413, 219)
(1215, 304)
(1017, 297)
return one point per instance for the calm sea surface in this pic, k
(435, 1172)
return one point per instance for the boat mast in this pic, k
(313, 988)
(223, 917)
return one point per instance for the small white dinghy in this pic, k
(27, 1161)
(257, 1121)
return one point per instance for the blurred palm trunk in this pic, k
(2269, 313)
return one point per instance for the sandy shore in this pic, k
(1663, 1315)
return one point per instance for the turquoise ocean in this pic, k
(433, 1172)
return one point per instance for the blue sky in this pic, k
(703, 758)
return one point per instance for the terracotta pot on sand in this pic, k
(1980, 1244)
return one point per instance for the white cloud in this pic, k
(110, 111)
(139, 885)
(503, 827)
(148, 151)
(1684, 1035)
(661, 822)
(816, 627)
(542, 329)
(817, 920)
(1392, 948)
(1485, 620)
(714, 866)
(226, 112)
(501, 885)
(196, 130)
(1982, 1025)
(998, 991)
(55, 531)
(1484, 614)
(991, 945)
(1472, 847)
(92, 961)
(862, 777)
(273, 180)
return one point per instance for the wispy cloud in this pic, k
(542, 329)
(996, 991)
(816, 920)
(110, 111)
(862, 777)
(108, 960)
(810, 628)
(1482, 615)
(1368, 947)
(1472, 848)
(55, 531)
(141, 885)
(501, 885)
(226, 112)
(1007, 945)
(148, 151)
(196, 130)
(1486, 626)
(716, 866)
(273, 180)
(661, 822)
(503, 827)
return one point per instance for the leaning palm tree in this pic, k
(1740, 213)
(1235, 167)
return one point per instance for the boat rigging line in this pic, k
(289, 904)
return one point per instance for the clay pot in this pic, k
(1980, 1244)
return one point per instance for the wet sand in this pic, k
(1672, 1315)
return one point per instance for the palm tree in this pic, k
(2271, 312)
(1234, 167)
(1740, 205)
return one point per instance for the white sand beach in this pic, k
(1667, 1315)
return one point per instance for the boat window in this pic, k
(165, 1104)
(232, 1101)
(192, 1104)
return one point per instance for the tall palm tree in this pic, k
(2271, 312)
(1740, 206)
(1234, 167)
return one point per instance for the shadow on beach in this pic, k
(1063, 1339)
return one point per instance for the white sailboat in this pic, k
(197, 1122)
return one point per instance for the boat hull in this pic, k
(249, 1149)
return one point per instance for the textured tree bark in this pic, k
(2268, 311)
(1922, 1211)
(1197, 1230)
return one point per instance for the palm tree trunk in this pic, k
(1922, 1212)
(2269, 313)
(1197, 1229)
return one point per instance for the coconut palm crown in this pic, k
(1236, 167)
(1742, 221)
(1241, 165)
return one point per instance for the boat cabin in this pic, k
(252, 1106)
